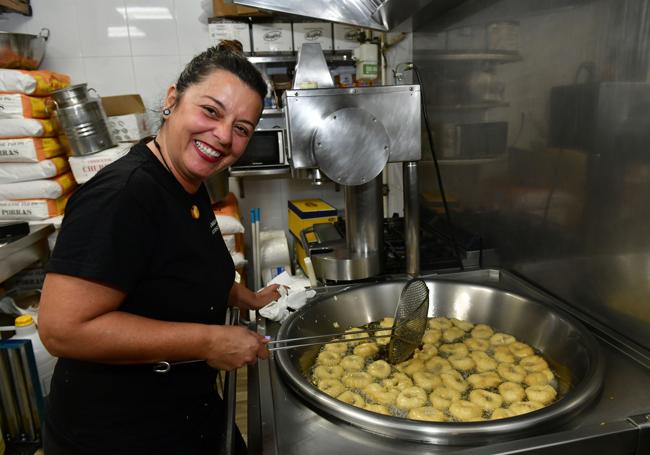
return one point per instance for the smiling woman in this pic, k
(139, 275)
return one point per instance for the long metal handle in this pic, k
(327, 338)
(230, 394)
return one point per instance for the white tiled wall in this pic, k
(118, 46)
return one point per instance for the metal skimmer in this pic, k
(410, 321)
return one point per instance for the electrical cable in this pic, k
(437, 168)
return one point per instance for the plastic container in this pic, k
(45, 362)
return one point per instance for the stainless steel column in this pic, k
(411, 217)
(364, 231)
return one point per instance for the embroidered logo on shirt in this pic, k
(214, 226)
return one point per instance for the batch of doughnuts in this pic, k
(462, 372)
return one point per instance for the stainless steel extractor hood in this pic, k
(376, 14)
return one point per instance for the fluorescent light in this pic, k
(145, 13)
(124, 32)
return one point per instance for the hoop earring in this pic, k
(166, 112)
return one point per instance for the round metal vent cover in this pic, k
(351, 146)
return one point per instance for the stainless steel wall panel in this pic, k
(567, 205)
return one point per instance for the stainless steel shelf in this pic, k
(292, 58)
(261, 171)
(469, 107)
(473, 55)
(471, 161)
(19, 254)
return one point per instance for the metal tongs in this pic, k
(409, 325)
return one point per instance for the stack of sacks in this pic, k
(232, 230)
(84, 167)
(35, 177)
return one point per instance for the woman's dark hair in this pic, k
(228, 56)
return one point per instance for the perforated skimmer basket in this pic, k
(410, 321)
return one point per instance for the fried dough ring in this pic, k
(352, 398)
(452, 334)
(483, 361)
(411, 397)
(454, 380)
(328, 358)
(440, 323)
(437, 365)
(511, 392)
(502, 413)
(442, 397)
(533, 364)
(431, 336)
(366, 349)
(523, 407)
(502, 354)
(379, 369)
(411, 366)
(539, 378)
(328, 372)
(356, 379)
(482, 331)
(426, 352)
(339, 348)
(487, 401)
(486, 380)
(462, 363)
(466, 411)
(541, 393)
(352, 363)
(511, 372)
(477, 344)
(382, 395)
(427, 381)
(399, 381)
(332, 387)
(465, 326)
(427, 414)
(520, 350)
(454, 349)
(501, 339)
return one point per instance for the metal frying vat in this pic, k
(571, 350)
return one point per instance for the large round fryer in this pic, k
(571, 350)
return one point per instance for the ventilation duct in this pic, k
(375, 14)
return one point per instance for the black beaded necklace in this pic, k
(194, 210)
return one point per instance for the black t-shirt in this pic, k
(131, 227)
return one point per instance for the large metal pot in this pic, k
(21, 50)
(571, 350)
(83, 120)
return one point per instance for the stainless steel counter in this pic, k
(280, 422)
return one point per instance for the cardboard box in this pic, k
(224, 29)
(304, 213)
(127, 121)
(313, 32)
(220, 8)
(17, 6)
(346, 37)
(272, 37)
(85, 167)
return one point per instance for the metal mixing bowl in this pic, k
(572, 352)
(21, 50)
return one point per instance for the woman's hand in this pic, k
(245, 299)
(234, 346)
(267, 295)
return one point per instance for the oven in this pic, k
(266, 148)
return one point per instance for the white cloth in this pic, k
(293, 296)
